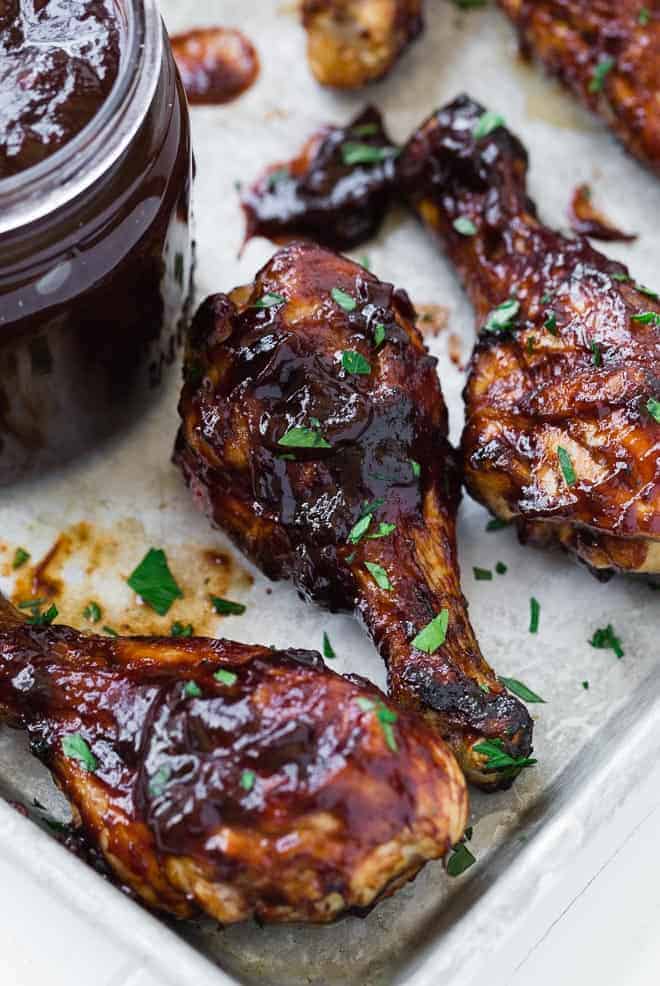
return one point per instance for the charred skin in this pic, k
(253, 374)
(274, 794)
(608, 54)
(353, 42)
(318, 195)
(578, 369)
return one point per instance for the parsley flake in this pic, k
(92, 612)
(566, 465)
(647, 318)
(20, 557)
(653, 407)
(496, 524)
(328, 649)
(416, 468)
(498, 759)
(154, 583)
(596, 355)
(343, 299)
(551, 323)
(109, 631)
(486, 123)
(600, 73)
(43, 619)
(158, 782)
(521, 690)
(359, 529)
(433, 635)
(192, 690)
(379, 334)
(460, 860)
(534, 615)
(364, 129)
(606, 639)
(355, 152)
(379, 574)
(269, 300)
(301, 437)
(501, 318)
(501, 568)
(386, 717)
(464, 226)
(225, 677)
(644, 16)
(482, 574)
(355, 363)
(75, 747)
(382, 531)
(248, 777)
(226, 607)
(181, 629)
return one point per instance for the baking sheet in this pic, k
(112, 506)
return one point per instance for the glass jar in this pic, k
(96, 263)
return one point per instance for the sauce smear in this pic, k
(217, 64)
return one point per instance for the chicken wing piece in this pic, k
(335, 191)
(231, 779)
(353, 42)
(608, 54)
(563, 395)
(314, 432)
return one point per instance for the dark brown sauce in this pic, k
(587, 220)
(217, 64)
(58, 63)
(320, 194)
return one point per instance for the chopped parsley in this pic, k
(328, 649)
(386, 717)
(154, 583)
(355, 152)
(486, 123)
(92, 612)
(301, 437)
(501, 318)
(531, 342)
(647, 318)
(566, 466)
(226, 607)
(109, 631)
(181, 629)
(461, 858)
(596, 355)
(379, 334)
(383, 530)
(379, 575)
(623, 278)
(359, 529)
(653, 407)
(606, 639)
(521, 690)
(600, 73)
(226, 677)
(75, 747)
(31, 603)
(343, 299)
(269, 300)
(416, 468)
(371, 508)
(496, 524)
(355, 363)
(534, 615)
(499, 759)
(649, 292)
(501, 568)
(644, 16)
(20, 557)
(365, 130)
(464, 226)
(551, 323)
(585, 685)
(43, 619)
(482, 574)
(158, 782)
(365, 262)
(192, 690)
(275, 177)
(433, 635)
(248, 777)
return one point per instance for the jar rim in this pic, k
(61, 177)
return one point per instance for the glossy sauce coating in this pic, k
(58, 63)
(353, 42)
(272, 357)
(608, 54)
(216, 64)
(232, 779)
(321, 196)
(575, 368)
(587, 220)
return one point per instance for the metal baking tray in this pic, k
(103, 512)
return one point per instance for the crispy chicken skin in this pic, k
(353, 42)
(231, 779)
(376, 455)
(570, 368)
(608, 54)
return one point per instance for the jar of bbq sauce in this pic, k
(95, 246)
